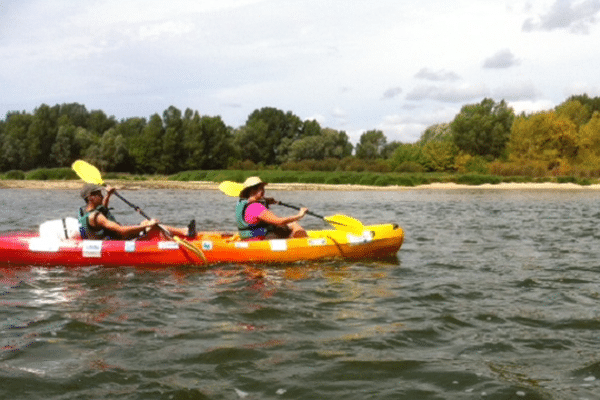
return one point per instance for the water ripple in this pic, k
(494, 296)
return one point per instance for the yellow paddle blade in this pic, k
(87, 172)
(190, 246)
(345, 223)
(230, 188)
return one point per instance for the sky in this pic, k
(398, 66)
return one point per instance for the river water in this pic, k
(494, 296)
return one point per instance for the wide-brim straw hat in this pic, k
(88, 189)
(250, 183)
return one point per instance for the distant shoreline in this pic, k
(200, 185)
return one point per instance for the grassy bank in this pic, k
(368, 178)
(319, 177)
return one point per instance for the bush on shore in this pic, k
(14, 174)
(508, 174)
(47, 174)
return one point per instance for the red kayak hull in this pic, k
(376, 242)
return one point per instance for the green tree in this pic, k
(41, 135)
(76, 113)
(83, 141)
(574, 111)
(591, 103)
(270, 133)
(98, 122)
(64, 145)
(437, 132)
(589, 142)
(329, 144)
(219, 149)
(146, 149)
(130, 130)
(310, 128)
(389, 149)
(439, 156)
(543, 137)
(371, 145)
(251, 140)
(407, 152)
(114, 155)
(483, 129)
(208, 142)
(14, 151)
(171, 158)
(194, 144)
(340, 146)
(287, 145)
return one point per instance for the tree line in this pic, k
(55, 136)
(483, 137)
(489, 138)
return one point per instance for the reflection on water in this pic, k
(494, 296)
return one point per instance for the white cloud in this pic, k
(427, 74)
(448, 94)
(321, 119)
(402, 132)
(574, 16)
(338, 112)
(530, 107)
(166, 28)
(502, 59)
(391, 93)
(516, 91)
(576, 88)
(407, 128)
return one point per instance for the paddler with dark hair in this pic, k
(97, 222)
(256, 222)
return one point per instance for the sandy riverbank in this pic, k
(164, 184)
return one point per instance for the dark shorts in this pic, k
(282, 231)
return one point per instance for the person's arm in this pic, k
(98, 220)
(267, 201)
(270, 218)
(109, 192)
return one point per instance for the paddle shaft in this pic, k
(193, 248)
(142, 213)
(298, 208)
(308, 212)
(136, 208)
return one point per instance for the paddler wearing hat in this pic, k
(254, 219)
(97, 222)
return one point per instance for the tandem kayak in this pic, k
(374, 242)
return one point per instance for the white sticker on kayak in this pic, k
(130, 246)
(92, 248)
(241, 245)
(207, 245)
(317, 242)
(278, 244)
(45, 245)
(170, 245)
(366, 237)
